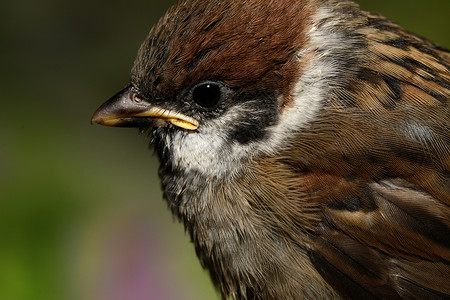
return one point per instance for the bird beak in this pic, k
(126, 109)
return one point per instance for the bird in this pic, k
(303, 144)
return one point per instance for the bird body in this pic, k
(304, 144)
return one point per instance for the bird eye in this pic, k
(207, 94)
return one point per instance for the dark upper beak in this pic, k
(127, 109)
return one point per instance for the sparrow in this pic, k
(304, 144)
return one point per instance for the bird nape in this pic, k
(305, 145)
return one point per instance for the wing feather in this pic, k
(400, 249)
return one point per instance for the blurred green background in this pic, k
(81, 215)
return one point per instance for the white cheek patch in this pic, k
(205, 150)
(209, 150)
(322, 71)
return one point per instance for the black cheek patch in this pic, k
(252, 125)
(246, 133)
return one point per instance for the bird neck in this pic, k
(250, 231)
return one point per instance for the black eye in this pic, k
(207, 94)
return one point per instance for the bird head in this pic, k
(219, 83)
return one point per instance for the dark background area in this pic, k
(81, 215)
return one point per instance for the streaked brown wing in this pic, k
(391, 242)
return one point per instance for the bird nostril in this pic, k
(134, 97)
